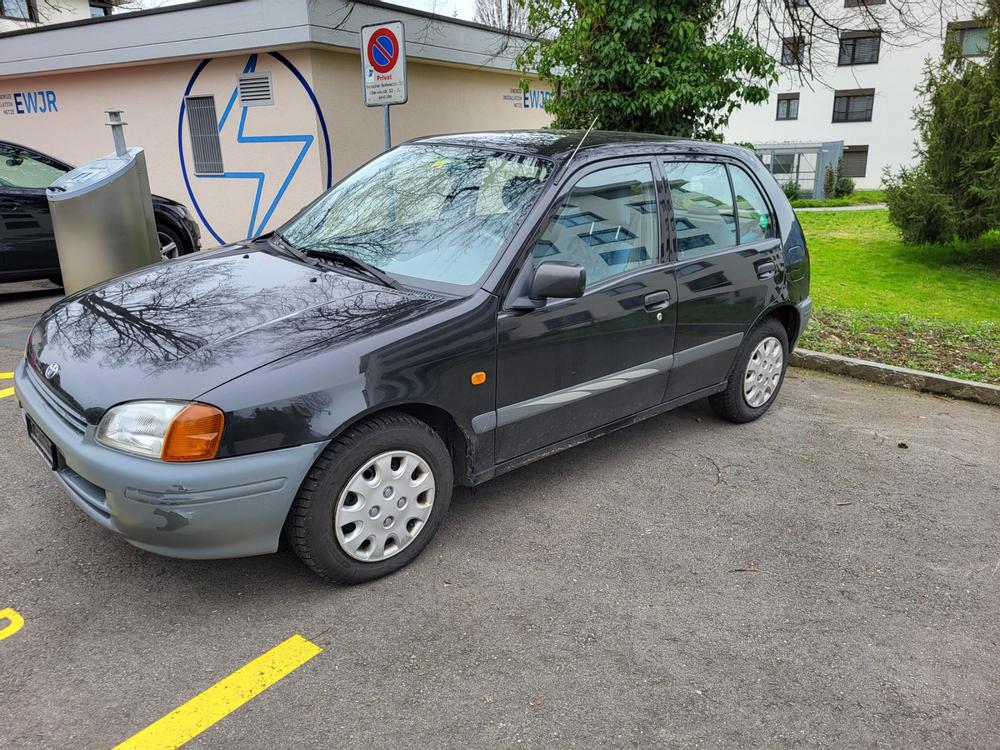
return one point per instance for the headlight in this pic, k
(168, 430)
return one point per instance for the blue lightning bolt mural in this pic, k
(256, 222)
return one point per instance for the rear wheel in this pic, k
(757, 374)
(373, 500)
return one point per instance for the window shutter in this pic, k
(855, 161)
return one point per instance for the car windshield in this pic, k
(432, 213)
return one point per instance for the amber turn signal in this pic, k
(478, 378)
(194, 434)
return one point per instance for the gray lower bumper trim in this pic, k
(229, 507)
(805, 311)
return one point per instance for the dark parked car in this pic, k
(456, 308)
(27, 245)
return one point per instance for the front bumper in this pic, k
(229, 507)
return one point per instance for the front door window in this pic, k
(607, 224)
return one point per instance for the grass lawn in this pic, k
(931, 308)
(857, 198)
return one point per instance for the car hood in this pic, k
(177, 330)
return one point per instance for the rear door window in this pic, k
(704, 217)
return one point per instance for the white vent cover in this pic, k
(255, 89)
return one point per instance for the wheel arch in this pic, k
(438, 419)
(788, 315)
(165, 218)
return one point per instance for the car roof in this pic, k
(559, 145)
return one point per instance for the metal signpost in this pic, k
(383, 69)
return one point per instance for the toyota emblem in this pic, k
(51, 371)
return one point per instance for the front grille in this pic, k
(68, 415)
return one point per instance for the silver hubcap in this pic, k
(168, 248)
(384, 506)
(763, 372)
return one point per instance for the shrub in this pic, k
(843, 187)
(958, 178)
(792, 190)
(829, 181)
(918, 208)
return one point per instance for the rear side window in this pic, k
(704, 218)
(756, 222)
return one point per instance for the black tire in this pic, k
(731, 404)
(166, 233)
(310, 525)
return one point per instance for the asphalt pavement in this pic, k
(828, 576)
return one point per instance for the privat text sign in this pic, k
(383, 64)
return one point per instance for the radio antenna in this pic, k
(592, 124)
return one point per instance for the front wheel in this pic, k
(756, 375)
(172, 244)
(373, 500)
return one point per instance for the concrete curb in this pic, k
(901, 377)
(862, 207)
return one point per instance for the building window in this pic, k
(203, 127)
(859, 48)
(788, 107)
(793, 50)
(21, 10)
(99, 9)
(853, 106)
(973, 39)
(855, 161)
(861, 3)
(782, 164)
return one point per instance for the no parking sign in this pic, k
(383, 64)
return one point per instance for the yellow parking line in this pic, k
(6, 376)
(6, 392)
(16, 622)
(198, 714)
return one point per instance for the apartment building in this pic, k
(28, 14)
(850, 97)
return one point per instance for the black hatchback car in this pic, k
(27, 243)
(456, 308)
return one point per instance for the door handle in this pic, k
(766, 270)
(657, 301)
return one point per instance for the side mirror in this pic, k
(558, 279)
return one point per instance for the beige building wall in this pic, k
(442, 99)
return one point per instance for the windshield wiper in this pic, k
(337, 256)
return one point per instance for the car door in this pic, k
(727, 260)
(573, 365)
(27, 244)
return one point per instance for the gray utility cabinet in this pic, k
(102, 216)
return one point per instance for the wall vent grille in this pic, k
(203, 127)
(255, 89)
